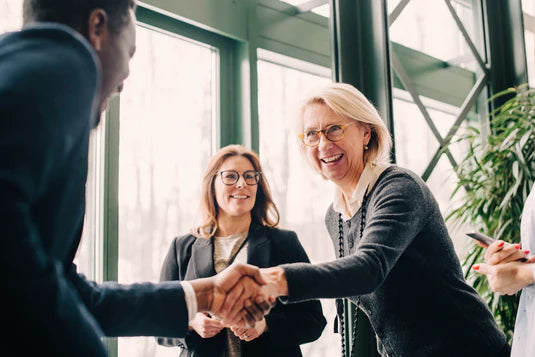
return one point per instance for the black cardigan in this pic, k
(406, 273)
(289, 325)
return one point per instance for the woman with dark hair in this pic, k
(239, 220)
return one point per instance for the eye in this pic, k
(230, 176)
(311, 133)
(249, 175)
(335, 130)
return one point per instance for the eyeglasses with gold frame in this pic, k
(333, 133)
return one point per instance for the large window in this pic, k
(165, 141)
(429, 115)
(300, 193)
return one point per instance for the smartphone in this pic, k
(485, 239)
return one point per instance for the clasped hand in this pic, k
(207, 326)
(234, 296)
(505, 271)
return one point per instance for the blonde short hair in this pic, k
(348, 102)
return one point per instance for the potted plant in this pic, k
(496, 176)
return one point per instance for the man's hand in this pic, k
(205, 325)
(226, 294)
(249, 334)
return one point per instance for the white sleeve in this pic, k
(191, 299)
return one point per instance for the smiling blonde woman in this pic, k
(395, 257)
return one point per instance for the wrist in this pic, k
(203, 293)
(526, 273)
(263, 326)
(276, 279)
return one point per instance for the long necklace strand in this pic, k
(341, 254)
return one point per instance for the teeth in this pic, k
(332, 158)
(239, 196)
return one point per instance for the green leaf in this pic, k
(496, 174)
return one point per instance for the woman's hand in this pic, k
(508, 278)
(249, 334)
(205, 326)
(501, 252)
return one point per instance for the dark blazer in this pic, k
(49, 77)
(289, 325)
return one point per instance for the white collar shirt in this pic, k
(367, 180)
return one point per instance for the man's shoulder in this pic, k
(44, 50)
(41, 64)
(51, 34)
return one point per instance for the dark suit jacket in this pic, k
(289, 325)
(49, 77)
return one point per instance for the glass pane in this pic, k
(323, 10)
(89, 257)
(528, 6)
(416, 146)
(415, 143)
(10, 15)
(165, 143)
(301, 195)
(429, 27)
(442, 182)
(529, 37)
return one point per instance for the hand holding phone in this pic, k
(486, 240)
(480, 237)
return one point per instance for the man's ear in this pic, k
(98, 28)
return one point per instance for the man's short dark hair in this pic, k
(75, 13)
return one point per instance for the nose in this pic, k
(241, 182)
(324, 142)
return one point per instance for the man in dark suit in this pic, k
(56, 76)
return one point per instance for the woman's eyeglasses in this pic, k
(230, 177)
(333, 133)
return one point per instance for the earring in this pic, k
(365, 147)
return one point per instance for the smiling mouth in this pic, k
(239, 197)
(331, 159)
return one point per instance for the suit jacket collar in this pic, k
(202, 257)
(258, 251)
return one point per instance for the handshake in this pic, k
(241, 294)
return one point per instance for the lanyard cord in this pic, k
(231, 260)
